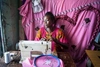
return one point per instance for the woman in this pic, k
(51, 33)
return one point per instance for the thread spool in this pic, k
(7, 57)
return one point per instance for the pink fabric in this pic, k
(80, 35)
(29, 63)
(27, 19)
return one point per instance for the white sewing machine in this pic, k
(34, 48)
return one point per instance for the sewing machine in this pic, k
(34, 48)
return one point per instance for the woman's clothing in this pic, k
(57, 34)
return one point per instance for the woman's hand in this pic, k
(55, 40)
(43, 39)
(64, 45)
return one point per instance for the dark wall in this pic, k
(10, 23)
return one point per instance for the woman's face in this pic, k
(48, 22)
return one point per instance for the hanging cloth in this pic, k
(37, 6)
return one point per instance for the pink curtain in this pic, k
(27, 19)
(86, 17)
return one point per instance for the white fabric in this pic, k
(37, 6)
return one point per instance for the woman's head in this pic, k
(49, 19)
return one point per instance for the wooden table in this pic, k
(67, 59)
(13, 63)
(94, 56)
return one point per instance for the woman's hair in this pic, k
(52, 17)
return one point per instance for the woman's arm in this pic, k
(64, 45)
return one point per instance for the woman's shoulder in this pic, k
(58, 29)
(42, 28)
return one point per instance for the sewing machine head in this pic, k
(34, 48)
